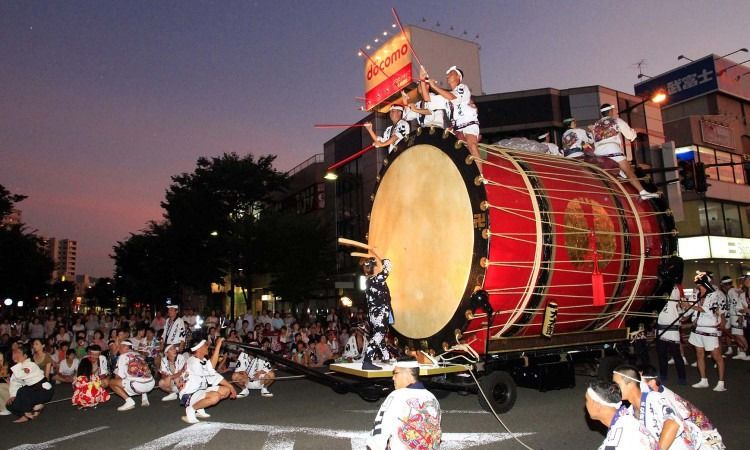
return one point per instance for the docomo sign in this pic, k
(387, 70)
(384, 63)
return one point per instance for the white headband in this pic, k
(625, 376)
(595, 397)
(198, 345)
(607, 108)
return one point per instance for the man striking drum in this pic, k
(378, 302)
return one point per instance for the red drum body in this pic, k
(525, 231)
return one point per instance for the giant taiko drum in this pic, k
(524, 230)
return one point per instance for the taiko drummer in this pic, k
(378, 306)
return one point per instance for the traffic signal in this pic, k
(701, 185)
(687, 174)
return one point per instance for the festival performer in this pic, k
(653, 411)
(709, 321)
(132, 377)
(88, 391)
(552, 148)
(668, 336)
(174, 330)
(379, 307)
(465, 117)
(737, 309)
(99, 364)
(576, 142)
(202, 386)
(253, 372)
(707, 434)
(394, 133)
(624, 432)
(433, 110)
(355, 347)
(28, 389)
(171, 370)
(409, 417)
(608, 132)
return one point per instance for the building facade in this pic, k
(64, 255)
(706, 115)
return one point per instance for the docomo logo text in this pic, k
(373, 70)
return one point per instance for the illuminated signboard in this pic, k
(719, 247)
(387, 70)
(683, 83)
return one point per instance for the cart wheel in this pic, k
(371, 393)
(500, 389)
(606, 366)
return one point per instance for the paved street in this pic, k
(305, 415)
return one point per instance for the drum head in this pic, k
(422, 221)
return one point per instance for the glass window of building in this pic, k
(726, 173)
(695, 223)
(706, 156)
(732, 220)
(715, 217)
(739, 173)
(745, 218)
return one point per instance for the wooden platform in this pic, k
(578, 338)
(387, 371)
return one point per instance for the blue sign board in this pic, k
(692, 80)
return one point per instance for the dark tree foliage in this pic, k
(24, 266)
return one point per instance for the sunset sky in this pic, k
(102, 101)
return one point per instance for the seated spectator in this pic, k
(88, 390)
(171, 370)
(4, 395)
(62, 335)
(132, 377)
(36, 329)
(80, 347)
(300, 355)
(61, 351)
(253, 372)
(277, 322)
(333, 343)
(355, 346)
(41, 358)
(323, 354)
(66, 370)
(233, 337)
(99, 339)
(29, 390)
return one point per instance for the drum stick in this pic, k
(338, 125)
(374, 63)
(351, 158)
(353, 243)
(361, 255)
(411, 47)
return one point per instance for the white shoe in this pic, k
(728, 352)
(4, 412)
(703, 383)
(740, 355)
(170, 397)
(127, 406)
(671, 361)
(720, 387)
(265, 392)
(695, 364)
(202, 414)
(144, 400)
(645, 195)
(190, 416)
(243, 393)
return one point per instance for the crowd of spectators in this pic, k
(81, 350)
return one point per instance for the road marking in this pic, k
(50, 444)
(444, 411)
(280, 437)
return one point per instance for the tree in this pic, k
(294, 250)
(102, 293)
(25, 267)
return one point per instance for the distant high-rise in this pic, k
(64, 255)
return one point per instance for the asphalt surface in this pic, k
(307, 415)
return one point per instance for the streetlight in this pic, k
(743, 49)
(8, 301)
(656, 97)
(724, 70)
(684, 57)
